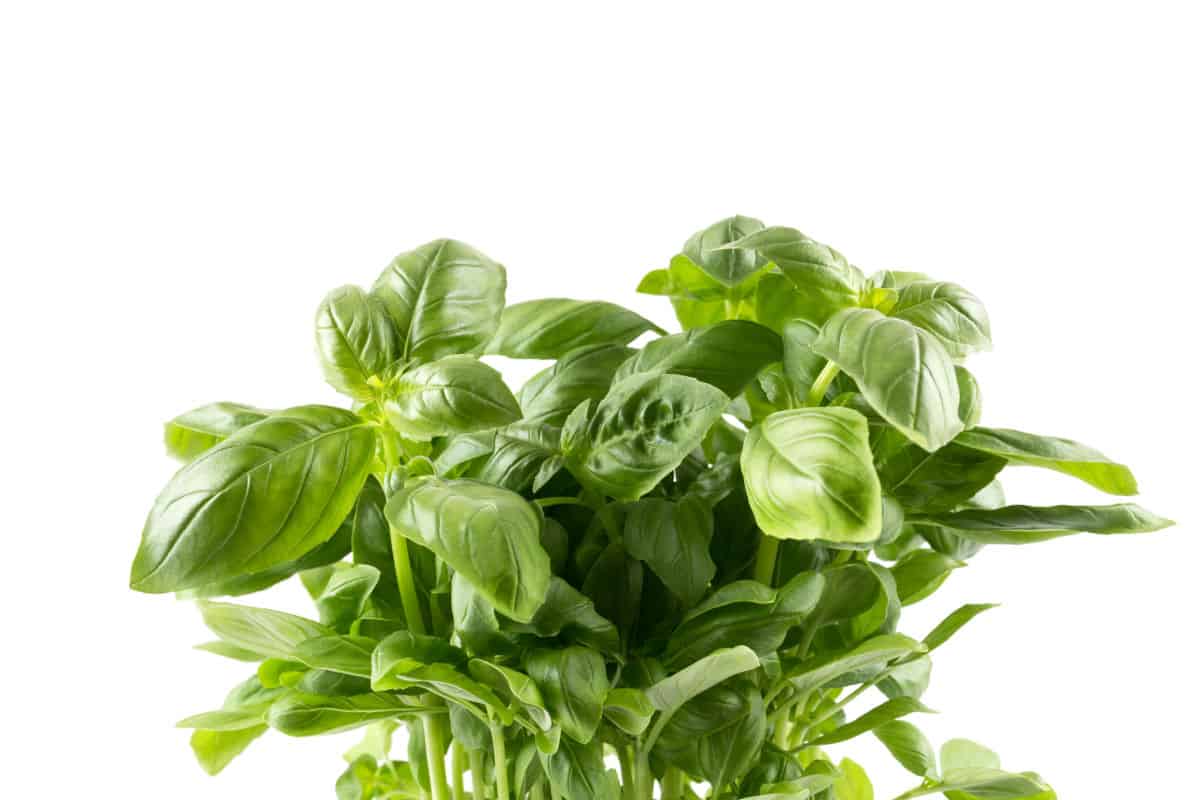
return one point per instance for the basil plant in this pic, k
(686, 560)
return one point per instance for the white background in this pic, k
(181, 183)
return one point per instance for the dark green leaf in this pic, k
(550, 328)
(577, 772)
(1062, 455)
(672, 538)
(919, 574)
(886, 712)
(574, 683)
(726, 355)
(350, 655)
(1026, 524)
(572, 615)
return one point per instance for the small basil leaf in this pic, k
(582, 374)
(628, 709)
(216, 749)
(272, 633)
(552, 327)
(730, 267)
(874, 653)
(1062, 455)
(193, 432)
(445, 297)
(673, 538)
(669, 694)
(340, 591)
(919, 574)
(350, 655)
(356, 341)
(909, 746)
(574, 684)
(948, 311)
(569, 613)
(454, 394)
(726, 355)
(886, 712)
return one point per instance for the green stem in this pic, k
(408, 589)
(538, 792)
(764, 562)
(457, 765)
(627, 779)
(475, 760)
(435, 748)
(500, 756)
(549, 502)
(821, 385)
(645, 778)
(672, 785)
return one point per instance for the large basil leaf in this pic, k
(671, 693)
(716, 735)
(641, 431)
(444, 297)
(903, 371)
(264, 496)
(356, 340)
(573, 682)
(582, 374)
(270, 633)
(726, 355)
(707, 250)
(349, 655)
(1062, 455)
(577, 772)
(193, 432)
(826, 282)
(312, 715)
(455, 394)
(949, 312)
(937, 481)
(1027, 524)
(489, 535)
(673, 538)
(809, 475)
(550, 328)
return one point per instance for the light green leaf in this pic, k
(517, 687)
(272, 633)
(1028, 524)
(885, 712)
(266, 495)
(311, 715)
(551, 327)
(193, 432)
(904, 372)
(826, 282)
(876, 652)
(953, 623)
(809, 475)
(726, 355)
(919, 574)
(356, 340)
(909, 746)
(349, 655)
(629, 709)
(949, 312)
(729, 267)
(852, 783)
(1062, 455)
(445, 297)
(404, 652)
(340, 591)
(643, 429)
(489, 535)
(800, 363)
(970, 397)
(672, 692)
(216, 749)
(519, 454)
(963, 754)
(454, 394)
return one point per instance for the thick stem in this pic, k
(764, 562)
(645, 778)
(500, 756)
(475, 758)
(408, 589)
(821, 385)
(627, 779)
(435, 748)
(673, 783)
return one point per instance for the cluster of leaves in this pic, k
(692, 556)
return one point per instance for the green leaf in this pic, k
(574, 684)
(809, 475)
(919, 574)
(643, 429)
(266, 495)
(1028, 524)
(193, 432)
(340, 591)
(371, 542)
(577, 772)
(569, 613)
(516, 687)
(445, 297)
(885, 712)
(585, 373)
(356, 340)
(672, 692)
(937, 481)
(224, 720)
(673, 538)
(909, 679)
(629, 709)
(800, 363)
(963, 754)
(826, 282)
(489, 535)
(949, 312)
(874, 653)
(726, 355)
(970, 397)
(519, 454)
(216, 749)
(717, 734)
(904, 372)
(909, 746)
(990, 784)
(454, 394)
(729, 267)
(1062, 455)
(953, 623)
(230, 651)
(699, 299)
(349, 655)
(404, 652)
(550, 328)
(852, 782)
(475, 620)
(311, 715)
(271, 633)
